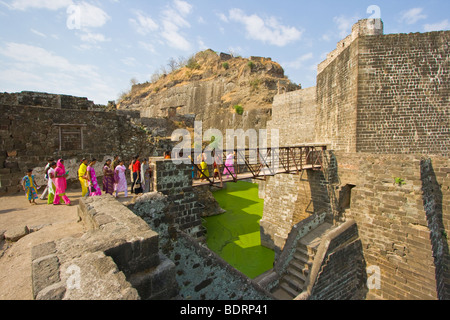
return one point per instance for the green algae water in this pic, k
(235, 235)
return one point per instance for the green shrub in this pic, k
(399, 181)
(192, 64)
(251, 65)
(239, 110)
(225, 65)
(255, 84)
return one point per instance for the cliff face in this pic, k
(211, 86)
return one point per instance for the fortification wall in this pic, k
(387, 94)
(29, 135)
(117, 258)
(403, 226)
(290, 199)
(294, 114)
(336, 116)
(175, 181)
(201, 274)
(404, 94)
(400, 204)
(48, 100)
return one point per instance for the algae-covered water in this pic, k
(235, 235)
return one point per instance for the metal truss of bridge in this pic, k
(259, 164)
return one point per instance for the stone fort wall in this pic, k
(376, 94)
(70, 128)
(382, 106)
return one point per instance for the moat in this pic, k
(235, 235)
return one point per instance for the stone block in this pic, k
(16, 233)
(45, 272)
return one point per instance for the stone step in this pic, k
(294, 282)
(301, 266)
(302, 254)
(282, 294)
(288, 290)
(300, 277)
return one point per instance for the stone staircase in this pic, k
(293, 282)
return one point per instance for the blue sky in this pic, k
(93, 48)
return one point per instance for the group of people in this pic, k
(114, 180)
(56, 175)
(227, 171)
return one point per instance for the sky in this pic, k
(95, 48)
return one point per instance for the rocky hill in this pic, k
(223, 91)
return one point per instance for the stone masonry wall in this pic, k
(28, 136)
(337, 93)
(200, 273)
(403, 226)
(175, 181)
(48, 100)
(288, 200)
(294, 114)
(404, 94)
(118, 258)
(342, 274)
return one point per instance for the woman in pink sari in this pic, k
(229, 166)
(94, 188)
(61, 183)
(121, 179)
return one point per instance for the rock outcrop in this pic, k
(210, 86)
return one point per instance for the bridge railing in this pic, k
(255, 163)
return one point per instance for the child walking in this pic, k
(30, 187)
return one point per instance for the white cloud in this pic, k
(147, 46)
(268, 30)
(129, 61)
(344, 25)
(143, 24)
(93, 37)
(183, 7)
(35, 68)
(92, 16)
(201, 44)
(222, 17)
(439, 26)
(300, 61)
(40, 4)
(173, 21)
(40, 34)
(412, 16)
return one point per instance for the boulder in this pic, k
(16, 233)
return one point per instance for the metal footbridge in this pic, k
(257, 164)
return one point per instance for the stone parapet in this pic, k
(116, 259)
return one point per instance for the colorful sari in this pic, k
(93, 184)
(30, 188)
(51, 186)
(84, 183)
(108, 180)
(60, 184)
(121, 184)
(229, 166)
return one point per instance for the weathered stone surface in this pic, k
(96, 266)
(17, 233)
(45, 272)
